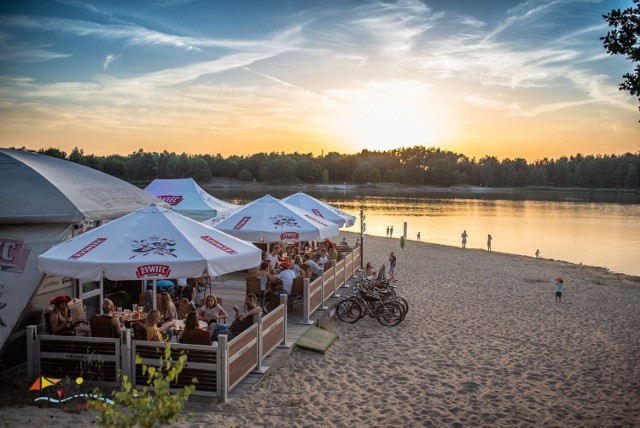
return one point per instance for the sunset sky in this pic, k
(505, 78)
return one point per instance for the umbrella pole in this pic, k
(155, 300)
(101, 292)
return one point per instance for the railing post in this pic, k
(33, 352)
(126, 361)
(257, 319)
(306, 303)
(285, 320)
(335, 281)
(223, 369)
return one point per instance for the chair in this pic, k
(196, 336)
(76, 307)
(253, 286)
(139, 332)
(308, 272)
(297, 291)
(101, 326)
(184, 308)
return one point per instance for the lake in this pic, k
(593, 230)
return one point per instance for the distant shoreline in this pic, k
(397, 188)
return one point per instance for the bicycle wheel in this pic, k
(349, 311)
(402, 302)
(390, 314)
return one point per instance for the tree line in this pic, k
(413, 165)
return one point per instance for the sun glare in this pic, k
(389, 118)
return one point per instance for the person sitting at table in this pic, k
(297, 266)
(211, 311)
(287, 275)
(192, 321)
(189, 292)
(167, 307)
(60, 316)
(332, 253)
(241, 323)
(274, 257)
(155, 333)
(321, 258)
(263, 274)
(344, 242)
(315, 269)
(108, 311)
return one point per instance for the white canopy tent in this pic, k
(270, 219)
(189, 199)
(43, 200)
(321, 209)
(150, 243)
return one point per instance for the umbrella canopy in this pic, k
(270, 219)
(151, 242)
(321, 209)
(38, 189)
(189, 199)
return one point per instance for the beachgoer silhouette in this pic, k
(537, 254)
(489, 238)
(391, 231)
(418, 236)
(387, 230)
(464, 239)
(402, 242)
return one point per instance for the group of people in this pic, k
(464, 237)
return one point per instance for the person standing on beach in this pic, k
(489, 238)
(418, 236)
(402, 242)
(390, 231)
(559, 289)
(464, 239)
(537, 253)
(392, 265)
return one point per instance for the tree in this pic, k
(624, 39)
(631, 180)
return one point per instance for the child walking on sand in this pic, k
(559, 289)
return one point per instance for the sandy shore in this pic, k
(483, 344)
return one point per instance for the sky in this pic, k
(504, 78)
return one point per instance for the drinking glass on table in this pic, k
(135, 308)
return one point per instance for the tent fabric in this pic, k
(321, 209)
(269, 219)
(149, 243)
(38, 189)
(189, 199)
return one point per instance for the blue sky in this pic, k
(506, 78)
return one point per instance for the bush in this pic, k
(145, 407)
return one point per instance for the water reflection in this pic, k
(591, 232)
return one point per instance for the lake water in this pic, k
(578, 230)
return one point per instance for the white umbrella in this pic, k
(270, 219)
(152, 243)
(189, 199)
(321, 209)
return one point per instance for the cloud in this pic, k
(110, 59)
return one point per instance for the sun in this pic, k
(389, 117)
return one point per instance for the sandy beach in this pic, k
(483, 344)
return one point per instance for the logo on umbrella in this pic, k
(284, 221)
(153, 245)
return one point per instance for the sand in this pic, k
(483, 344)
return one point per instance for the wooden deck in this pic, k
(231, 287)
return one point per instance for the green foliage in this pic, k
(325, 176)
(245, 175)
(147, 407)
(412, 165)
(624, 39)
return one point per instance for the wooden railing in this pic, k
(217, 369)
